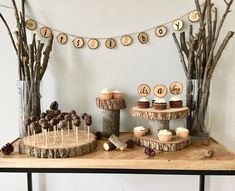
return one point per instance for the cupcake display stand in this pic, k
(35, 145)
(111, 114)
(162, 119)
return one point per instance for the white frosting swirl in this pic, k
(139, 128)
(182, 129)
(105, 91)
(164, 132)
(159, 100)
(175, 98)
(117, 91)
(143, 99)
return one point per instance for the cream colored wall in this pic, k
(75, 77)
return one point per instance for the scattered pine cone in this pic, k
(130, 143)
(99, 135)
(150, 152)
(7, 149)
(54, 105)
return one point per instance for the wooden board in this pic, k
(111, 104)
(153, 114)
(177, 143)
(54, 148)
(190, 158)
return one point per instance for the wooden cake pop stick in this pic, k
(34, 138)
(62, 138)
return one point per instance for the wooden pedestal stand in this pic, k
(111, 114)
(36, 147)
(162, 118)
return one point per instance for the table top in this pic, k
(191, 158)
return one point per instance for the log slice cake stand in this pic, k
(111, 114)
(162, 118)
(35, 145)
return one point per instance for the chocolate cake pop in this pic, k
(83, 115)
(57, 112)
(49, 117)
(72, 112)
(75, 117)
(88, 120)
(27, 121)
(54, 121)
(54, 105)
(45, 125)
(62, 124)
(68, 117)
(43, 115)
(42, 120)
(34, 126)
(60, 117)
(77, 122)
(33, 119)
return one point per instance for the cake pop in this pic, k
(72, 112)
(54, 105)
(88, 122)
(83, 117)
(43, 115)
(34, 126)
(60, 117)
(27, 122)
(57, 112)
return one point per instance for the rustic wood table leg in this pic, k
(202, 183)
(29, 181)
(111, 122)
(156, 125)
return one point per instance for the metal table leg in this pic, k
(202, 183)
(29, 181)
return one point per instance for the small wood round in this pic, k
(31, 24)
(111, 104)
(93, 43)
(178, 143)
(45, 32)
(176, 88)
(143, 37)
(110, 43)
(62, 38)
(161, 31)
(144, 90)
(153, 114)
(78, 42)
(193, 16)
(178, 24)
(126, 40)
(160, 90)
(71, 147)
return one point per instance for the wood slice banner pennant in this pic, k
(62, 38)
(193, 16)
(110, 43)
(31, 24)
(178, 24)
(45, 32)
(78, 42)
(143, 37)
(160, 91)
(176, 88)
(126, 40)
(93, 43)
(143, 90)
(160, 31)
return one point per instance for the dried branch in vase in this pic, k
(199, 57)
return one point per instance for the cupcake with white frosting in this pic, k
(143, 103)
(165, 135)
(106, 94)
(181, 132)
(140, 131)
(117, 94)
(159, 103)
(176, 102)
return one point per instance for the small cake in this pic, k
(117, 94)
(165, 135)
(140, 131)
(176, 102)
(143, 103)
(159, 103)
(181, 132)
(106, 94)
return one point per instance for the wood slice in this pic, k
(54, 149)
(160, 90)
(62, 38)
(193, 16)
(178, 143)
(126, 40)
(176, 88)
(161, 31)
(45, 32)
(111, 104)
(78, 42)
(110, 43)
(93, 43)
(31, 24)
(143, 37)
(178, 24)
(153, 114)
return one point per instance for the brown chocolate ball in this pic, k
(57, 112)
(45, 125)
(88, 117)
(88, 122)
(75, 117)
(77, 122)
(33, 119)
(49, 117)
(72, 112)
(67, 117)
(62, 124)
(60, 117)
(54, 105)
(42, 120)
(34, 126)
(43, 115)
(54, 121)
(83, 115)
(27, 121)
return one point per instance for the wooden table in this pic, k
(190, 161)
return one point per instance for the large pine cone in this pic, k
(7, 149)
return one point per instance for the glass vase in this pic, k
(29, 104)
(198, 100)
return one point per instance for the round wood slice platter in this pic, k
(111, 104)
(177, 143)
(54, 148)
(153, 114)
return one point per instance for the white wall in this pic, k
(75, 77)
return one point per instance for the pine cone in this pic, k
(7, 149)
(150, 152)
(130, 143)
(99, 135)
(54, 105)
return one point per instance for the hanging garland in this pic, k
(110, 42)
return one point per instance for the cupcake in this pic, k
(143, 103)
(181, 132)
(117, 94)
(106, 94)
(159, 103)
(176, 102)
(140, 131)
(165, 135)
